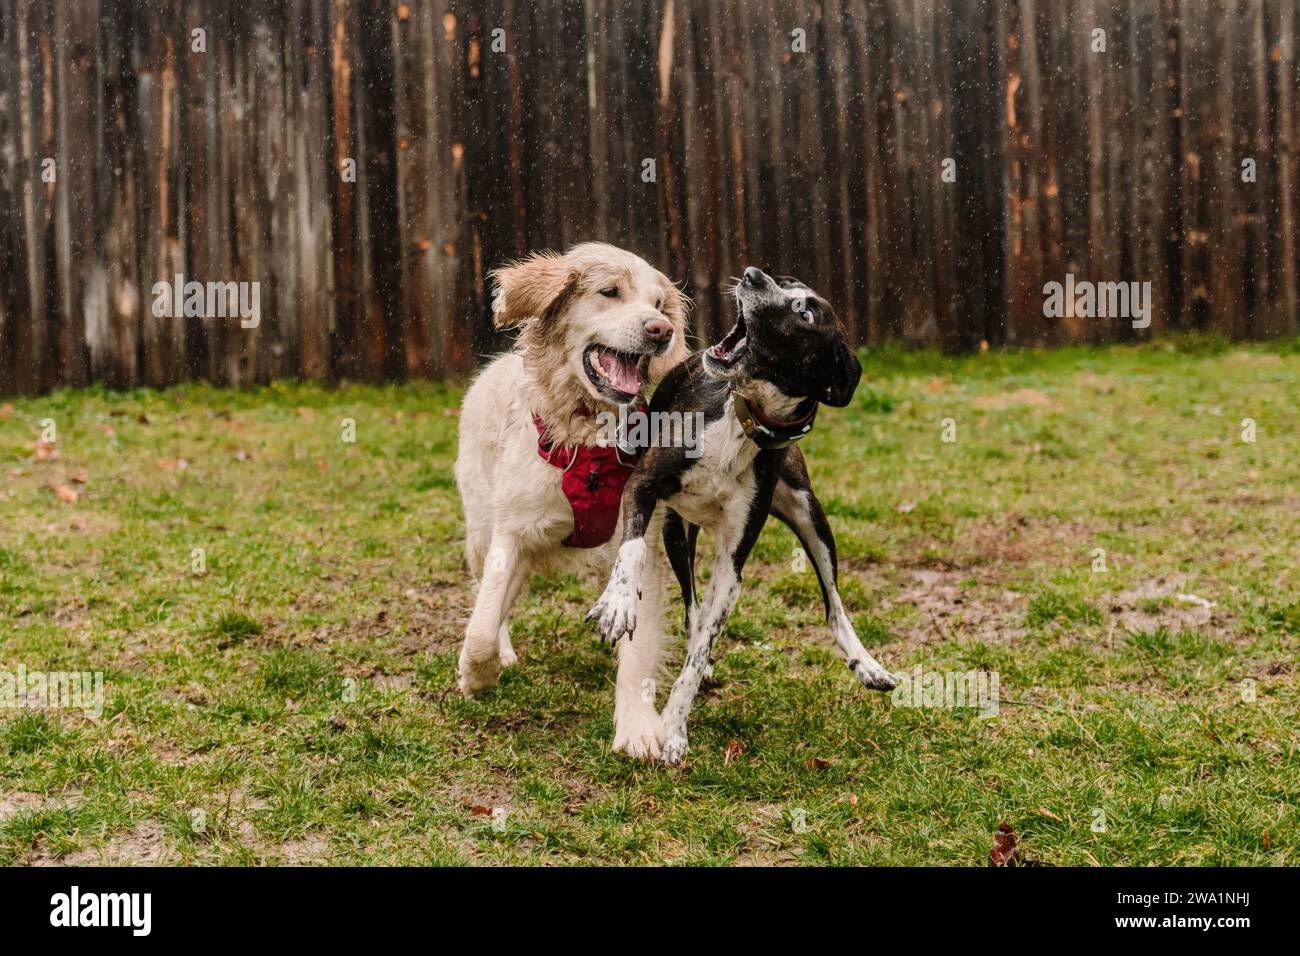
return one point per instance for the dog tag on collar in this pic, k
(770, 433)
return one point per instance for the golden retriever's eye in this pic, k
(610, 293)
(659, 306)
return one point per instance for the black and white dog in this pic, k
(758, 389)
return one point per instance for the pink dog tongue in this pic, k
(620, 372)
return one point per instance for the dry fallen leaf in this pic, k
(67, 494)
(6, 411)
(817, 763)
(1048, 813)
(734, 749)
(173, 464)
(45, 451)
(478, 810)
(1004, 847)
(79, 477)
(1006, 852)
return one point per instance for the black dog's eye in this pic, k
(610, 293)
(807, 316)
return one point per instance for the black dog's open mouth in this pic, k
(732, 346)
(612, 372)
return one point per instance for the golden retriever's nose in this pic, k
(658, 330)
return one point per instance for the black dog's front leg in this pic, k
(736, 536)
(615, 611)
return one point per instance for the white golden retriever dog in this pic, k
(597, 324)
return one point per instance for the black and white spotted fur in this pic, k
(787, 347)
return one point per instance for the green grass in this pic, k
(277, 614)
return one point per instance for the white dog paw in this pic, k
(872, 675)
(615, 612)
(478, 676)
(675, 748)
(641, 737)
(505, 648)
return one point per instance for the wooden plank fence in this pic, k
(928, 164)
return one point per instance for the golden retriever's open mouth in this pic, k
(613, 373)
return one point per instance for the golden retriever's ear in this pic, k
(531, 288)
(676, 306)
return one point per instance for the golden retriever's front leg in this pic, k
(638, 731)
(508, 655)
(480, 657)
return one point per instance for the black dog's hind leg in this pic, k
(679, 542)
(796, 505)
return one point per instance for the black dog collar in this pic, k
(768, 433)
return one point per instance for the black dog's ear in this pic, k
(846, 373)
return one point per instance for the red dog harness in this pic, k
(594, 476)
